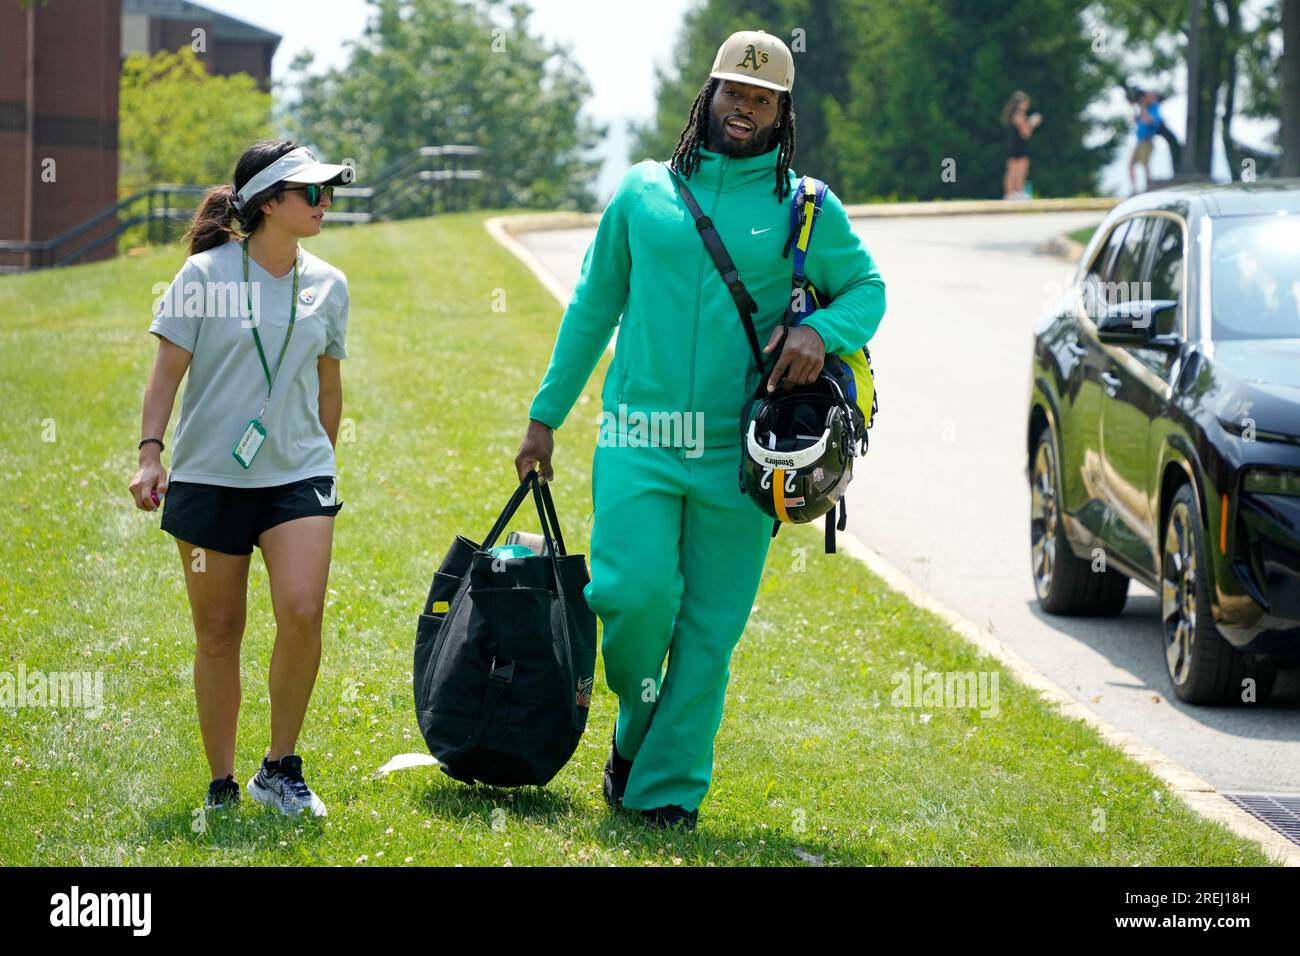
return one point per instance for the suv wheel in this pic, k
(1202, 666)
(1065, 584)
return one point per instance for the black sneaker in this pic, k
(280, 785)
(616, 770)
(222, 793)
(672, 815)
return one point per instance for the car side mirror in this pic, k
(1135, 323)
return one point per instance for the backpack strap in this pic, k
(745, 303)
(831, 525)
(805, 204)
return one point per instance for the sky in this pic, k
(621, 73)
(622, 83)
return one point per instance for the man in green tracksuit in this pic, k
(677, 548)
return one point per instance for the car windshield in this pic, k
(1255, 268)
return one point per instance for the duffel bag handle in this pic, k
(545, 510)
(546, 515)
(507, 513)
(545, 489)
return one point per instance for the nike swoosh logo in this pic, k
(758, 232)
(333, 496)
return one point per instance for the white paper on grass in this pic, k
(405, 762)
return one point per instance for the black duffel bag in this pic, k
(505, 654)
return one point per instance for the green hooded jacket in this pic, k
(682, 346)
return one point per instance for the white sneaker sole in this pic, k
(269, 799)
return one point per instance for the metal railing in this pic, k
(421, 183)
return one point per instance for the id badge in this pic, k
(247, 448)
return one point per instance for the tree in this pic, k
(442, 72)
(898, 98)
(1289, 88)
(1237, 65)
(179, 124)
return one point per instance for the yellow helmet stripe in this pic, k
(778, 494)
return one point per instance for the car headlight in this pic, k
(1261, 482)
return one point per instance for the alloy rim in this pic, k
(1043, 518)
(1178, 594)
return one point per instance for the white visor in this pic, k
(298, 166)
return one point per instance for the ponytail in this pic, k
(213, 223)
(217, 221)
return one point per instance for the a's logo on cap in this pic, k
(753, 58)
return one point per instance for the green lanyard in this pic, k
(257, 339)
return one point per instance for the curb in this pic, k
(539, 221)
(1063, 247)
(978, 207)
(504, 228)
(1198, 794)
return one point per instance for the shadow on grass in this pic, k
(241, 827)
(452, 800)
(722, 842)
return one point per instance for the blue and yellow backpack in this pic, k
(854, 368)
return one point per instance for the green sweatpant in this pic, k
(677, 551)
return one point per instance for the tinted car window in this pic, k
(1167, 265)
(1166, 276)
(1101, 265)
(1092, 289)
(1128, 264)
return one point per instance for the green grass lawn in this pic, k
(814, 762)
(1081, 236)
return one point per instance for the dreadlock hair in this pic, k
(686, 157)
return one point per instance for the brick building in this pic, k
(59, 66)
(232, 46)
(59, 74)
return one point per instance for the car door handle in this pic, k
(1075, 349)
(1112, 382)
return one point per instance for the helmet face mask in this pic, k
(798, 451)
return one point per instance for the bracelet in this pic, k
(145, 441)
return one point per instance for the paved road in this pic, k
(942, 493)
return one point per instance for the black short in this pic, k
(232, 519)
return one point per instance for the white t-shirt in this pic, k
(205, 312)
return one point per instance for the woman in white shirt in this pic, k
(260, 325)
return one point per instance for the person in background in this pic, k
(1148, 122)
(1020, 126)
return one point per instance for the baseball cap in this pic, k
(298, 165)
(752, 56)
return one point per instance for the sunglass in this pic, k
(314, 192)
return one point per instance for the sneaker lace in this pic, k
(292, 773)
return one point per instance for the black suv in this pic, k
(1164, 431)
